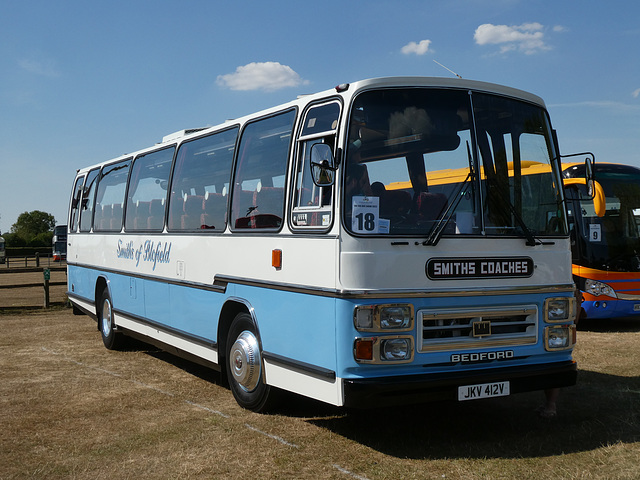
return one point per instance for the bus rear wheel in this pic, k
(112, 339)
(244, 366)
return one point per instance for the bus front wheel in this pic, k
(110, 337)
(244, 366)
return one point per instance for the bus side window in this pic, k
(148, 191)
(202, 173)
(86, 204)
(313, 204)
(74, 210)
(258, 196)
(110, 197)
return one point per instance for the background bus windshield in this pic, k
(611, 242)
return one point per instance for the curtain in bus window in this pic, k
(88, 197)
(258, 193)
(148, 191)
(110, 197)
(200, 185)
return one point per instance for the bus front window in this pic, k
(433, 162)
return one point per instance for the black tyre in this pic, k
(244, 366)
(112, 339)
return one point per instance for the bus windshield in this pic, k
(612, 242)
(428, 162)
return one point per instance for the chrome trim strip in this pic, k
(216, 286)
(220, 283)
(302, 367)
(195, 339)
(413, 293)
(627, 296)
(507, 342)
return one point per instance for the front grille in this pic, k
(499, 326)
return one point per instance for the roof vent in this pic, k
(180, 134)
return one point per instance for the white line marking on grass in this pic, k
(135, 382)
(347, 472)
(275, 437)
(207, 409)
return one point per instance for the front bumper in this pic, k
(407, 389)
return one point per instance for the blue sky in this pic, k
(86, 81)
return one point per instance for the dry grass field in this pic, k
(71, 409)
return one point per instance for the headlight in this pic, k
(597, 289)
(378, 318)
(395, 349)
(561, 337)
(559, 309)
(395, 316)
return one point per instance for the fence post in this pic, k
(37, 259)
(47, 275)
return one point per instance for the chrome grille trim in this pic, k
(452, 329)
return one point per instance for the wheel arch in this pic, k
(231, 308)
(101, 283)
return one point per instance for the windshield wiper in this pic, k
(438, 229)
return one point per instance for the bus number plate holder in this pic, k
(483, 390)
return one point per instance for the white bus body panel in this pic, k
(291, 380)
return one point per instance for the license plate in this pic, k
(483, 390)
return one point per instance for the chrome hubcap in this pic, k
(106, 317)
(244, 360)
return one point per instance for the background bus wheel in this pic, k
(112, 340)
(244, 366)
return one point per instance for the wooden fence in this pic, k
(27, 261)
(45, 283)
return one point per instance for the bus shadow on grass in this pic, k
(611, 325)
(601, 410)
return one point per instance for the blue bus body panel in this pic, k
(295, 333)
(611, 309)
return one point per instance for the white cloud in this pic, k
(418, 48)
(636, 93)
(46, 68)
(269, 76)
(527, 38)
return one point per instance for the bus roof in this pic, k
(347, 91)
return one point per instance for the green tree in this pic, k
(13, 240)
(31, 224)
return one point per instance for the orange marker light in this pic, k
(364, 349)
(276, 259)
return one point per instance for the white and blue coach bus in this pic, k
(377, 243)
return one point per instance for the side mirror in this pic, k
(589, 177)
(322, 165)
(594, 189)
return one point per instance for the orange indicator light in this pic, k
(276, 259)
(364, 349)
